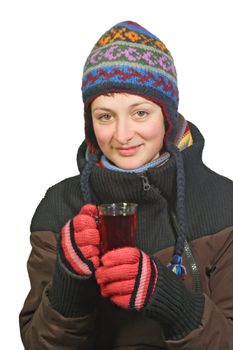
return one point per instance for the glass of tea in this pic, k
(117, 225)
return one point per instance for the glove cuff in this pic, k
(177, 309)
(145, 282)
(72, 295)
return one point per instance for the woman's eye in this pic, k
(105, 117)
(142, 114)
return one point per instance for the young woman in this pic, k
(174, 289)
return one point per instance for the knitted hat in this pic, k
(128, 58)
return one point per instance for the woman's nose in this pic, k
(123, 131)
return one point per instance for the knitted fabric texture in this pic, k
(80, 241)
(130, 59)
(128, 277)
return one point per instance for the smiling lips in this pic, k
(129, 151)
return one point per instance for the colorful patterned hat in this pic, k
(128, 58)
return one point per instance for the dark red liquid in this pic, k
(117, 231)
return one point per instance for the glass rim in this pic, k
(117, 205)
(114, 209)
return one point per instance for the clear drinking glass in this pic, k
(117, 225)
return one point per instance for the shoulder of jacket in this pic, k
(219, 189)
(61, 202)
(220, 178)
(209, 204)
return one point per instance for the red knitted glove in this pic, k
(128, 277)
(80, 241)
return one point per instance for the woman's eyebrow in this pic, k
(102, 109)
(140, 103)
(130, 106)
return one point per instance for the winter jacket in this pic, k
(208, 257)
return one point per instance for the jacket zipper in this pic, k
(195, 273)
(145, 182)
(196, 277)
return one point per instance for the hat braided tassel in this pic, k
(176, 262)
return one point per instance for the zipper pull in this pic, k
(145, 182)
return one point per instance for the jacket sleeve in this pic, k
(42, 327)
(215, 331)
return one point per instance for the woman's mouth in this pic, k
(128, 151)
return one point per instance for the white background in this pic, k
(43, 46)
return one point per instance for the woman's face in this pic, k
(129, 129)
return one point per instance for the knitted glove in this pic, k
(133, 280)
(128, 277)
(74, 290)
(80, 241)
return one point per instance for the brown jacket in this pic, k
(43, 328)
(209, 209)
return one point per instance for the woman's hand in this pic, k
(80, 241)
(128, 277)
